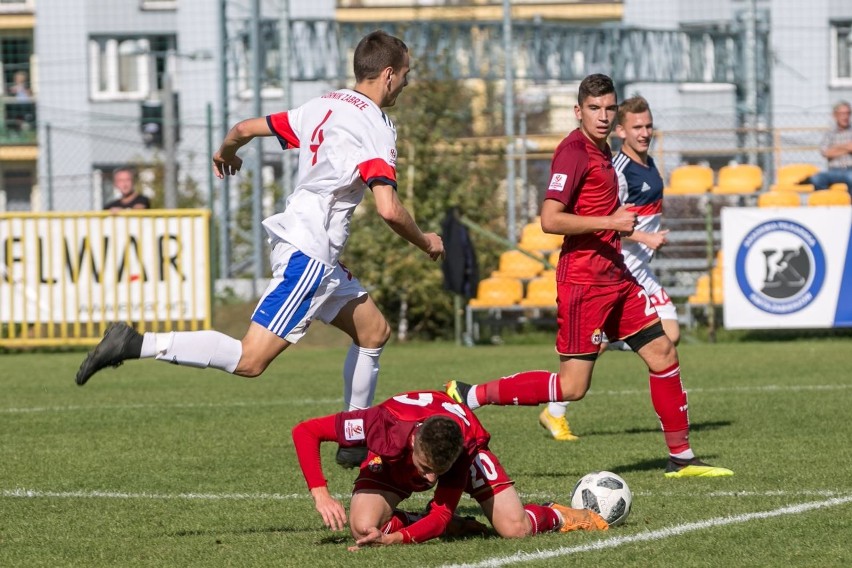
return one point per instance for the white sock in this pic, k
(684, 455)
(360, 375)
(472, 402)
(557, 409)
(204, 348)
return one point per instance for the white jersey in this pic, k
(642, 186)
(345, 142)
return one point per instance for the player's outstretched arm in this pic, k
(307, 437)
(394, 213)
(225, 160)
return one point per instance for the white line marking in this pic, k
(34, 494)
(298, 402)
(23, 493)
(246, 404)
(653, 535)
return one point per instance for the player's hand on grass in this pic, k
(435, 249)
(331, 510)
(624, 220)
(375, 537)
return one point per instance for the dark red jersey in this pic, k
(386, 430)
(583, 179)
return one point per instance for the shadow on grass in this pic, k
(696, 427)
(267, 530)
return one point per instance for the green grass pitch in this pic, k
(155, 465)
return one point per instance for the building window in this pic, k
(270, 63)
(18, 185)
(158, 4)
(841, 54)
(127, 68)
(13, 6)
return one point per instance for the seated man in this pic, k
(837, 149)
(417, 441)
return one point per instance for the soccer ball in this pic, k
(604, 493)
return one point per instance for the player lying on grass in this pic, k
(417, 441)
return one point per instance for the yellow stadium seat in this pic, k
(839, 187)
(829, 198)
(702, 290)
(791, 176)
(516, 264)
(551, 274)
(739, 179)
(498, 293)
(541, 293)
(686, 180)
(779, 199)
(533, 238)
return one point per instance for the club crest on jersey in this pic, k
(353, 429)
(392, 156)
(597, 337)
(375, 464)
(557, 182)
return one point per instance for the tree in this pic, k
(434, 172)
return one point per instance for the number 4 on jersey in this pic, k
(317, 138)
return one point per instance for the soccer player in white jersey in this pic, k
(346, 144)
(639, 183)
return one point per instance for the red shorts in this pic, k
(486, 479)
(585, 312)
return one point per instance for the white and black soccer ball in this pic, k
(605, 493)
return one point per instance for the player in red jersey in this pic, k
(595, 292)
(416, 441)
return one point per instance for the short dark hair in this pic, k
(377, 51)
(440, 440)
(594, 86)
(127, 169)
(633, 105)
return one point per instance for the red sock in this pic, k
(398, 521)
(669, 400)
(543, 519)
(529, 388)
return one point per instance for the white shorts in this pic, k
(657, 294)
(302, 289)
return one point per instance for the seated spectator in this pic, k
(122, 180)
(837, 149)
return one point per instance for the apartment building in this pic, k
(18, 148)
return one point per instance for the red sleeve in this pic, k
(279, 124)
(435, 523)
(377, 170)
(307, 437)
(569, 167)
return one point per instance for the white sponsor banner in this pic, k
(90, 267)
(787, 267)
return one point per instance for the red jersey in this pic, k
(583, 179)
(387, 431)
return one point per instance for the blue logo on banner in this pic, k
(780, 266)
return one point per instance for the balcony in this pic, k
(17, 122)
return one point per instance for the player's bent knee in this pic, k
(518, 529)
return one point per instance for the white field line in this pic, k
(190, 405)
(301, 401)
(660, 534)
(22, 493)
